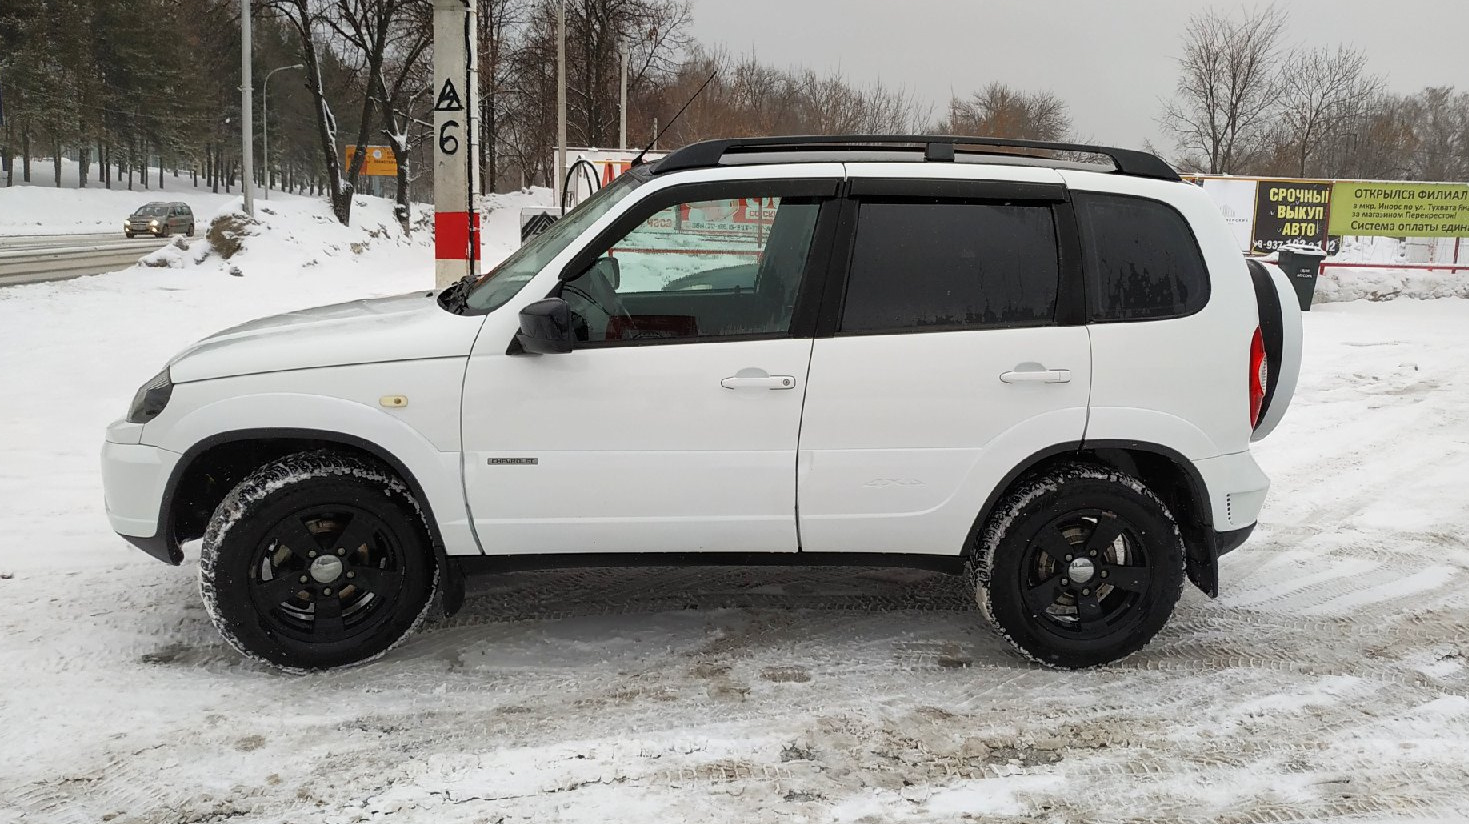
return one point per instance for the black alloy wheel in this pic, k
(326, 573)
(1083, 574)
(317, 560)
(1079, 567)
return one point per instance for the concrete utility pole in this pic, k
(247, 110)
(623, 136)
(265, 123)
(456, 174)
(560, 105)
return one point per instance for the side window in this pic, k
(1141, 259)
(956, 265)
(699, 270)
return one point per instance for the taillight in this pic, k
(1259, 377)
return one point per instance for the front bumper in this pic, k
(134, 479)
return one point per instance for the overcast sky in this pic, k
(1110, 60)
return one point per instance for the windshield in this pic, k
(506, 280)
(152, 211)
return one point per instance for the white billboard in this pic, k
(1236, 201)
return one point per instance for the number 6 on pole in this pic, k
(448, 143)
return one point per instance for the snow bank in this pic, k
(293, 234)
(37, 210)
(1338, 285)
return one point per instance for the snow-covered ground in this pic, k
(40, 208)
(1329, 683)
(1346, 284)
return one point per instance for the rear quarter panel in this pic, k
(1181, 383)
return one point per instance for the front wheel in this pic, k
(1079, 567)
(317, 560)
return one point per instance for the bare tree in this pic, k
(500, 22)
(307, 20)
(1000, 111)
(747, 98)
(1319, 92)
(1440, 119)
(404, 67)
(1227, 86)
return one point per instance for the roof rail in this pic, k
(937, 148)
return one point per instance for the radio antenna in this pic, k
(638, 161)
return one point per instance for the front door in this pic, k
(673, 424)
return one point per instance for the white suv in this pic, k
(921, 351)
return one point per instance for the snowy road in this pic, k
(1329, 683)
(37, 258)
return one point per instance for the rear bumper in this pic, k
(1230, 541)
(1237, 489)
(133, 480)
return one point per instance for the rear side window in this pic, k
(954, 265)
(1142, 262)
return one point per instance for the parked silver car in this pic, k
(160, 220)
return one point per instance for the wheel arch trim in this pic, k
(1200, 539)
(451, 581)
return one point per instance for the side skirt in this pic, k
(490, 564)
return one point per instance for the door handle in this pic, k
(1038, 376)
(771, 382)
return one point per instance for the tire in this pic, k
(129, 234)
(167, 231)
(1039, 601)
(190, 233)
(355, 603)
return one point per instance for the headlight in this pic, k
(153, 222)
(151, 398)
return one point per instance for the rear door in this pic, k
(955, 351)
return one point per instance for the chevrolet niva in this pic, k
(942, 352)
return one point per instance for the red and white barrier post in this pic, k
(456, 175)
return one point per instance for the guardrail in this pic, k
(1426, 267)
(39, 265)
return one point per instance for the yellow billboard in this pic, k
(1400, 209)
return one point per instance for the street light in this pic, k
(247, 112)
(265, 124)
(622, 132)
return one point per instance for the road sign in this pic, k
(535, 220)
(380, 161)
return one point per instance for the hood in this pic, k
(405, 327)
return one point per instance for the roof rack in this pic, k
(937, 148)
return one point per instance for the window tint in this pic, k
(697, 270)
(951, 265)
(1141, 259)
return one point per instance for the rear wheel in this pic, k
(190, 233)
(317, 560)
(1079, 567)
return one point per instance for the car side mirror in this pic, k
(607, 267)
(545, 329)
